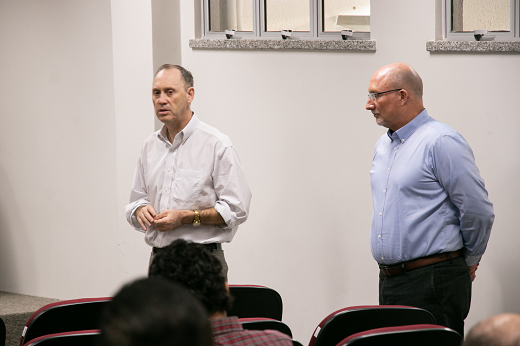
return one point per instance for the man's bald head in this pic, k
(395, 95)
(401, 75)
(499, 330)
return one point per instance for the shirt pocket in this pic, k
(187, 185)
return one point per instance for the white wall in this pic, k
(75, 108)
(298, 121)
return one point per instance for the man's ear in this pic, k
(403, 96)
(227, 287)
(191, 94)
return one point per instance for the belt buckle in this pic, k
(384, 270)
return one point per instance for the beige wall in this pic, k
(75, 108)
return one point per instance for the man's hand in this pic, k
(145, 216)
(472, 269)
(171, 219)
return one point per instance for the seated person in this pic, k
(154, 312)
(191, 265)
(499, 330)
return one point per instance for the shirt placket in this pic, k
(394, 147)
(168, 177)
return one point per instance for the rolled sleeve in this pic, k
(231, 188)
(138, 197)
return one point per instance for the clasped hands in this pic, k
(166, 221)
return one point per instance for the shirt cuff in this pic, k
(472, 260)
(224, 211)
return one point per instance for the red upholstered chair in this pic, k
(419, 334)
(80, 338)
(345, 322)
(263, 323)
(255, 301)
(64, 316)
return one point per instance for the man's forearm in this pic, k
(210, 217)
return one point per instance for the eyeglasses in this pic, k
(374, 96)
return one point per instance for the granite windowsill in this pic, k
(473, 46)
(247, 44)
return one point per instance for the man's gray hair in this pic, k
(186, 75)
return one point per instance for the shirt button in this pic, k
(395, 148)
(380, 214)
(168, 169)
(388, 169)
(382, 258)
(165, 190)
(384, 191)
(402, 140)
(379, 236)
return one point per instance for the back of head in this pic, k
(192, 266)
(499, 330)
(154, 312)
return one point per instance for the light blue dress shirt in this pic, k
(428, 195)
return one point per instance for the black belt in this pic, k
(403, 267)
(210, 247)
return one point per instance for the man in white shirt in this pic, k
(188, 183)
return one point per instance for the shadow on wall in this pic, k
(11, 251)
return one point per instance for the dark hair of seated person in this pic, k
(154, 312)
(192, 266)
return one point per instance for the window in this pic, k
(307, 19)
(499, 17)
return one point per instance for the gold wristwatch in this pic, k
(196, 220)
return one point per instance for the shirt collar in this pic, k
(185, 133)
(407, 130)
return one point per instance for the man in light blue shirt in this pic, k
(432, 217)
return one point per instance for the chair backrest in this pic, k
(262, 323)
(419, 334)
(80, 338)
(64, 316)
(255, 301)
(2, 332)
(345, 322)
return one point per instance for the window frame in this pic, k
(259, 25)
(512, 35)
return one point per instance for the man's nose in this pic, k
(162, 98)
(370, 105)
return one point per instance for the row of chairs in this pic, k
(75, 322)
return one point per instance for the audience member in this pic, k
(191, 265)
(154, 312)
(499, 330)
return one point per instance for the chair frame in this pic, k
(325, 333)
(430, 331)
(269, 306)
(70, 336)
(44, 321)
(263, 323)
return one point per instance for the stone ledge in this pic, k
(353, 45)
(473, 46)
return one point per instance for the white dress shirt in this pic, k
(200, 170)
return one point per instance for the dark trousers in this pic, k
(443, 289)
